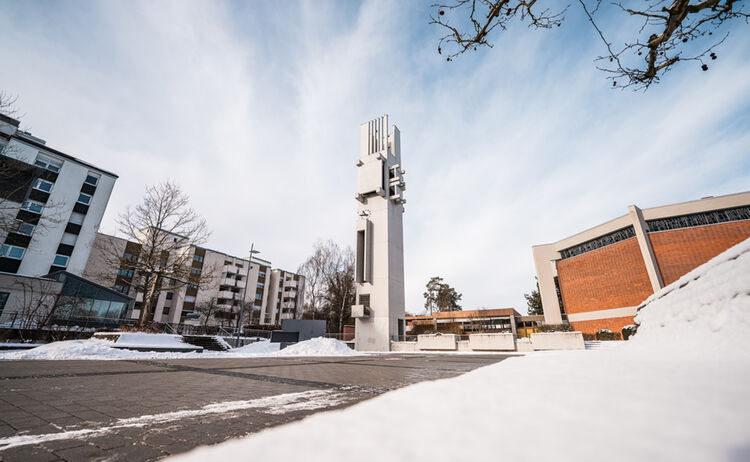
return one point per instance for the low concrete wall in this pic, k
(558, 341)
(492, 342)
(524, 346)
(436, 342)
(404, 346)
(463, 345)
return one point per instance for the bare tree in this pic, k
(16, 180)
(36, 301)
(8, 104)
(210, 311)
(663, 40)
(164, 228)
(329, 284)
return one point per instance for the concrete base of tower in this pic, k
(374, 334)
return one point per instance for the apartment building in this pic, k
(51, 205)
(272, 294)
(597, 278)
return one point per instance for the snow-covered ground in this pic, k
(101, 349)
(679, 390)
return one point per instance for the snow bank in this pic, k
(677, 391)
(101, 349)
(318, 347)
(705, 312)
(71, 349)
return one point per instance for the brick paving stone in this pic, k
(85, 452)
(22, 454)
(109, 441)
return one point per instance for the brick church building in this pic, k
(597, 278)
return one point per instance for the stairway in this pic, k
(208, 342)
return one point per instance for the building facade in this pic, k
(51, 205)
(597, 278)
(272, 294)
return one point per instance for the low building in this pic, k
(597, 278)
(59, 300)
(474, 321)
(272, 294)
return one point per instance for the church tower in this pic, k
(379, 311)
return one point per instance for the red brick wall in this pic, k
(679, 251)
(610, 277)
(613, 324)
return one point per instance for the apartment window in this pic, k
(26, 229)
(195, 271)
(125, 272)
(198, 258)
(49, 164)
(189, 298)
(261, 274)
(61, 260)
(43, 185)
(258, 296)
(3, 301)
(121, 288)
(165, 310)
(11, 251)
(84, 199)
(170, 295)
(32, 206)
(91, 179)
(192, 286)
(128, 256)
(261, 285)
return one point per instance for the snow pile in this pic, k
(318, 347)
(101, 349)
(71, 349)
(654, 398)
(256, 348)
(707, 311)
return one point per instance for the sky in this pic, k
(254, 109)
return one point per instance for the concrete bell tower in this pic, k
(379, 311)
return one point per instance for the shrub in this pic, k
(629, 331)
(606, 334)
(589, 337)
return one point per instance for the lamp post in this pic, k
(244, 294)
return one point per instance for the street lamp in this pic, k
(244, 294)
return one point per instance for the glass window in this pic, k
(258, 296)
(61, 260)
(261, 285)
(128, 256)
(26, 229)
(121, 288)
(125, 272)
(198, 257)
(92, 180)
(43, 185)
(170, 295)
(261, 274)
(11, 251)
(165, 311)
(32, 206)
(195, 271)
(189, 298)
(84, 198)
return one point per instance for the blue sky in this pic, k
(255, 109)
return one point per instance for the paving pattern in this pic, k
(146, 410)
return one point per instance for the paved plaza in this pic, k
(146, 410)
